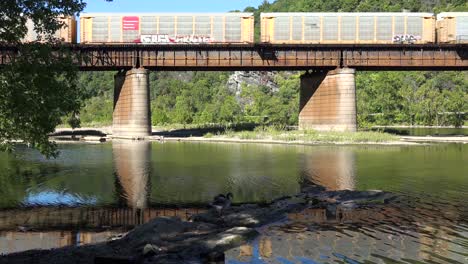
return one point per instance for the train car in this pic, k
(66, 34)
(452, 27)
(347, 28)
(162, 28)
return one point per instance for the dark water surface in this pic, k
(94, 191)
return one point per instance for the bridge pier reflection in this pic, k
(132, 166)
(332, 169)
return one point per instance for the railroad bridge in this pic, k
(327, 91)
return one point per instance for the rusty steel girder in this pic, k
(239, 59)
(447, 57)
(264, 57)
(105, 58)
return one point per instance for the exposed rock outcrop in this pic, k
(239, 78)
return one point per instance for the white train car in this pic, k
(452, 27)
(347, 28)
(166, 28)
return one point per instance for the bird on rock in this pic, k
(221, 202)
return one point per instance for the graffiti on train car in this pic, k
(405, 38)
(164, 38)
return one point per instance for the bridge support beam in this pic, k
(328, 101)
(132, 112)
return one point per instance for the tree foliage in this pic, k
(413, 98)
(45, 14)
(39, 87)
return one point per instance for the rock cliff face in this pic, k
(234, 84)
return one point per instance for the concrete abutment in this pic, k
(132, 111)
(328, 101)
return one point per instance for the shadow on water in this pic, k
(139, 181)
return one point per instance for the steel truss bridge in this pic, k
(261, 57)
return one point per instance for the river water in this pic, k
(94, 191)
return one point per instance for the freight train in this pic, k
(275, 28)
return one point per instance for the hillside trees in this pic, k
(413, 98)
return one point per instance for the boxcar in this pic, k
(452, 27)
(347, 28)
(161, 28)
(66, 34)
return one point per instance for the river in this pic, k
(93, 191)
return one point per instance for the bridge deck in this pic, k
(264, 57)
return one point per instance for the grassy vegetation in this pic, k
(272, 133)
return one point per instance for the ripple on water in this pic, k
(113, 179)
(393, 233)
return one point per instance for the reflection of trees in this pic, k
(80, 171)
(193, 173)
(259, 173)
(17, 176)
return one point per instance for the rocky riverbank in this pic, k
(208, 235)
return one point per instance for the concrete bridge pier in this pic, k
(132, 111)
(328, 101)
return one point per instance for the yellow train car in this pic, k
(67, 34)
(452, 27)
(163, 28)
(347, 28)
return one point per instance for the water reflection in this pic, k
(132, 161)
(45, 228)
(333, 169)
(20, 241)
(383, 234)
(101, 189)
(193, 173)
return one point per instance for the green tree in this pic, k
(183, 110)
(229, 110)
(39, 87)
(409, 100)
(455, 106)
